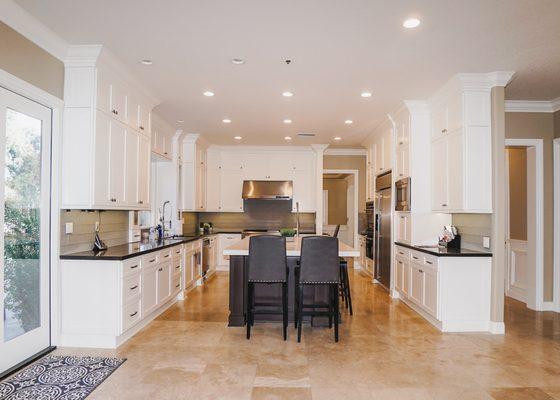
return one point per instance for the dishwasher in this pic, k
(206, 254)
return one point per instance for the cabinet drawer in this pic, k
(150, 259)
(177, 251)
(131, 266)
(176, 283)
(131, 314)
(165, 255)
(401, 251)
(131, 287)
(416, 257)
(176, 265)
(430, 261)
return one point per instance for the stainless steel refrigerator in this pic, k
(383, 229)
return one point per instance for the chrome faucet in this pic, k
(162, 220)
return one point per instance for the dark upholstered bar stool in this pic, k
(344, 280)
(319, 266)
(267, 266)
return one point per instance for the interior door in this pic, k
(25, 137)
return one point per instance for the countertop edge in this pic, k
(433, 253)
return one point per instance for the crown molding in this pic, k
(533, 106)
(257, 148)
(83, 55)
(345, 152)
(484, 81)
(417, 107)
(27, 25)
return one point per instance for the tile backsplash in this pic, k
(113, 229)
(472, 227)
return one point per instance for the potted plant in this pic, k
(288, 233)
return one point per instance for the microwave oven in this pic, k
(402, 194)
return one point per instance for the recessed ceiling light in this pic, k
(287, 137)
(180, 121)
(287, 94)
(237, 61)
(348, 122)
(411, 23)
(237, 137)
(366, 94)
(208, 93)
(226, 120)
(287, 121)
(146, 62)
(337, 138)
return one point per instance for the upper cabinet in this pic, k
(213, 182)
(162, 138)
(461, 157)
(105, 136)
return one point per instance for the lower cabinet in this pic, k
(164, 282)
(453, 293)
(225, 240)
(149, 289)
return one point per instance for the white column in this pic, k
(319, 152)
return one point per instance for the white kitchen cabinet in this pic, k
(164, 282)
(430, 300)
(231, 188)
(383, 151)
(461, 148)
(399, 273)
(200, 188)
(213, 190)
(193, 173)
(149, 289)
(402, 131)
(144, 171)
(403, 227)
(162, 138)
(225, 240)
(416, 282)
(304, 191)
(401, 163)
(131, 171)
(98, 171)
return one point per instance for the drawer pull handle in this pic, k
(141, 128)
(421, 271)
(429, 262)
(166, 256)
(416, 258)
(401, 253)
(177, 267)
(134, 313)
(161, 269)
(153, 260)
(177, 285)
(134, 266)
(134, 287)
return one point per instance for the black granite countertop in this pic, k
(444, 252)
(135, 249)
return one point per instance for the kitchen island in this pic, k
(238, 263)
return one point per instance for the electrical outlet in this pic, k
(486, 242)
(69, 228)
(96, 226)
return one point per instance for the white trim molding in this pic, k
(345, 152)
(556, 238)
(537, 302)
(497, 328)
(533, 106)
(27, 25)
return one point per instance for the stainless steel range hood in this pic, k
(267, 190)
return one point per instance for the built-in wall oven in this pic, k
(402, 193)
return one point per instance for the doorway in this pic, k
(524, 221)
(25, 196)
(340, 200)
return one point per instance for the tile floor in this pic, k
(386, 352)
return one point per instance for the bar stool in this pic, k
(319, 266)
(344, 280)
(267, 265)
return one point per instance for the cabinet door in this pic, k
(200, 188)
(430, 291)
(231, 190)
(144, 171)
(255, 167)
(304, 191)
(399, 273)
(117, 162)
(232, 161)
(131, 168)
(439, 174)
(455, 113)
(188, 269)
(144, 119)
(118, 101)
(401, 163)
(103, 101)
(416, 283)
(439, 121)
(378, 155)
(388, 150)
(149, 290)
(188, 186)
(102, 195)
(455, 171)
(403, 227)
(279, 168)
(406, 277)
(213, 190)
(133, 110)
(163, 282)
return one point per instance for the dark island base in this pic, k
(268, 294)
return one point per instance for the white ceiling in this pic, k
(338, 48)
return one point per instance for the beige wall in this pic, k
(517, 157)
(350, 162)
(539, 126)
(338, 196)
(27, 61)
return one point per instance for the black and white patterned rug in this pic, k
(59, 378)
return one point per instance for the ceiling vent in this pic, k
(304, 135)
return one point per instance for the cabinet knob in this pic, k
(444, 131)
(115, 112)
(141, 128)
(444, 205)
(401, 142)
(401, 174)
(421, 271)
(161, 269)
(140, 202)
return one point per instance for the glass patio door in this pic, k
(25, 157)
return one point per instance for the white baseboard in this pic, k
(497, 328)
(395, 294)
(549, 306)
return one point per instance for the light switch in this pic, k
(486, 242)
(69, 228)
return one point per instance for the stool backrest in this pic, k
(336, 229)
(319, 260)
(267, 258)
